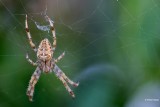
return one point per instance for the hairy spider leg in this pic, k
(32, 83)
(53, 32)
(64, 78)
(30, 61)
(66, 86)
(69, 81)
(29, 35)
(60, 57)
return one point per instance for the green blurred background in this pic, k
(112, 48)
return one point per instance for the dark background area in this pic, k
(112, 48)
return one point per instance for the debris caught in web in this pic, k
(42, 27)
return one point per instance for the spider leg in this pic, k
(60, 57)
(53, 32)
(67, 87)
(32, 83)
(58, 74)
(29, 35)
(69, 81)
(30, 61)
(64, 78)
(58, 71)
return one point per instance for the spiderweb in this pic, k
(96, 35)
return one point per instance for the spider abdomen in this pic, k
(45, 52)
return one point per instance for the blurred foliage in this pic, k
(112, 48)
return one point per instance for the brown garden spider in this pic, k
(45, 61)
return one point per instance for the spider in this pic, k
(45, 61)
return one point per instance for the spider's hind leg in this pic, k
(53, 32)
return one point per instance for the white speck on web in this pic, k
(43, 27)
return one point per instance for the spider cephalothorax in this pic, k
(45, 61)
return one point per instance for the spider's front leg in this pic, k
(70, 81)
(63, 74)
(58, 71)
(66, 86)
(64, 78)
(32, 83)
